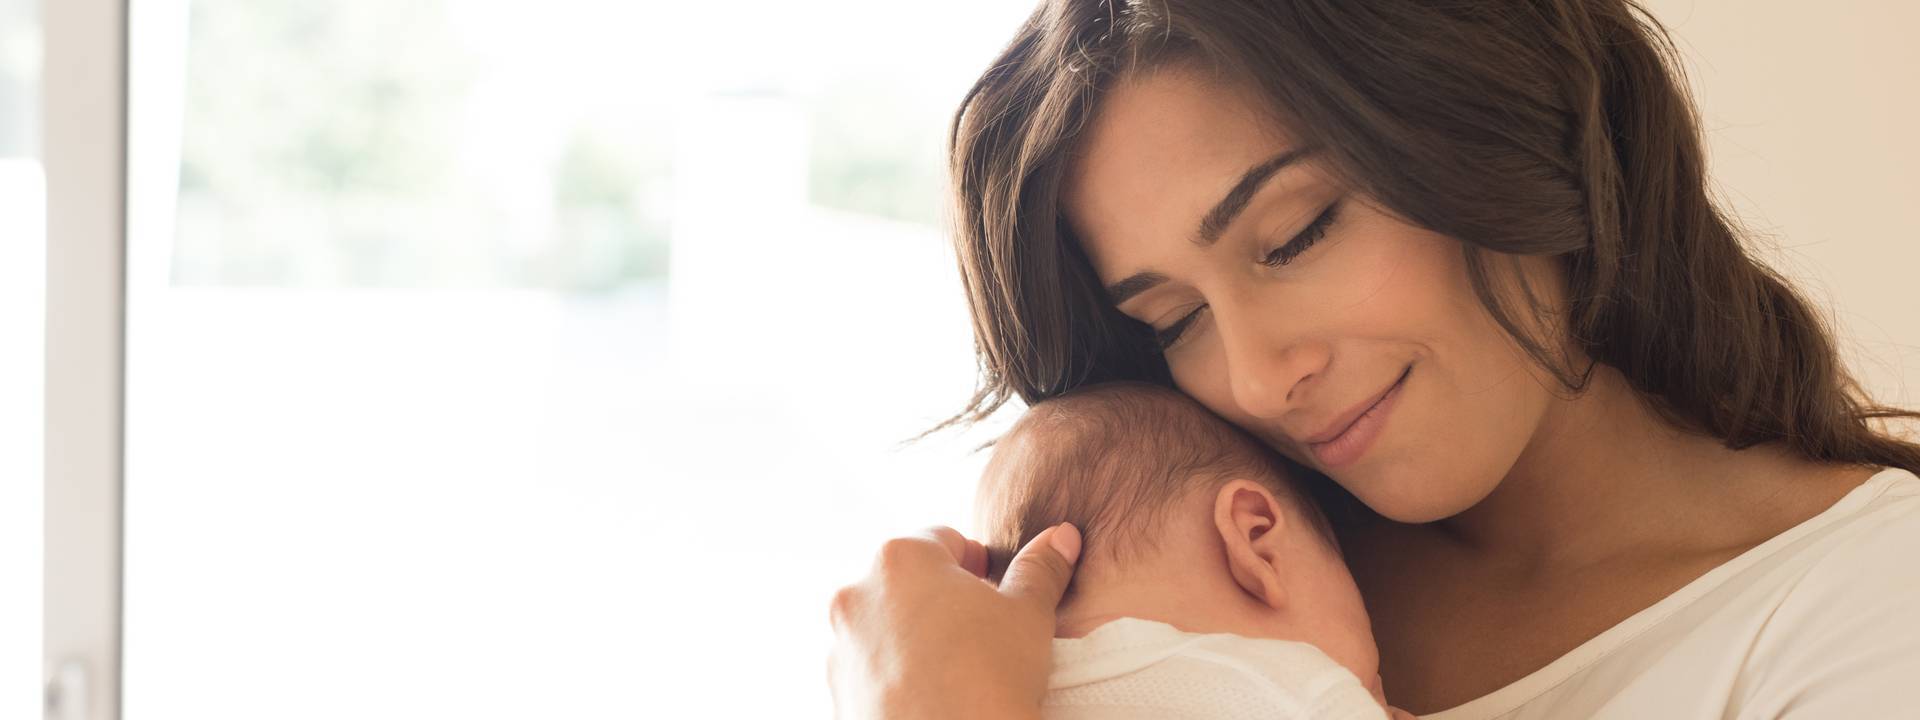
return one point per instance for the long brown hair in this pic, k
(1555, 128)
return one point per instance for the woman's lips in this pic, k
(1347, 443)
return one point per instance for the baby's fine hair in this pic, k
(1112, 459)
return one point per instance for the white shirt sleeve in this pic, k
(1845, 641)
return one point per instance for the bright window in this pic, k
(22, 304)
(517, 362)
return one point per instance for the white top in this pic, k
(1132, 669)
(1822, 621)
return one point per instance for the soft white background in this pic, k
(386, 474)
(449, 492)
(1809, 111)
(22, 297)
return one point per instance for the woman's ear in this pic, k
(1249, 520)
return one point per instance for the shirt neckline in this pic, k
(1517, 693)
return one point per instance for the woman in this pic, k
(1460, 259)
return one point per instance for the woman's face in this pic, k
(1292, 312)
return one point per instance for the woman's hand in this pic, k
(925, 636)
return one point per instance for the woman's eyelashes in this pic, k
(1309, 235)
(1277, 257)
(1166, 338)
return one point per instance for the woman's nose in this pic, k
(1267, 368)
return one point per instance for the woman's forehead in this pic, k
(1162, 149)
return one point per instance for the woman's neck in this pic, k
(1605, 474)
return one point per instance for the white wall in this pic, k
(1808, 110)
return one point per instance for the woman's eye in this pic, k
(1171, 336)
(1306, 239)
(1282, 255)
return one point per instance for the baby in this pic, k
(1209, 584)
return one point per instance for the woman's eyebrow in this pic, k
(1216, 220)
(1229, 207)
(1134, 285)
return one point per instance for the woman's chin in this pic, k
(1411, 514)
(1411, 498)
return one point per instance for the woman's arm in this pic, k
(925, 636)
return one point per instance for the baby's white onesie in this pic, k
(1132, 668)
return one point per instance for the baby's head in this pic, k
(1186, 520)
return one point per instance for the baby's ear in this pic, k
(1250, 522)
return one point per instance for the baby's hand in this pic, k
(1397, 714)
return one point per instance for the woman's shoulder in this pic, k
(1882, 513)
(1870, 534)
(1844, 637)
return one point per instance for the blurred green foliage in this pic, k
(873, 153)
(380, 143)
